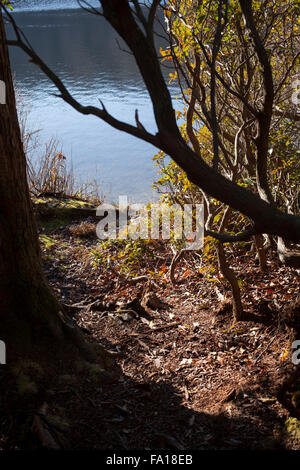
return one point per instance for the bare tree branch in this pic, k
(265, 115)
(266, 218)
(226, 237)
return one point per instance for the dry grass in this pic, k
(83, 230)
(50, 172)
(48, 169)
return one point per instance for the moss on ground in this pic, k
(47, 242)
(292, 426)
(52, 213)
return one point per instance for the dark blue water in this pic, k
(83, 50)
(38, 5)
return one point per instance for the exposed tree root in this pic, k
(289, 257)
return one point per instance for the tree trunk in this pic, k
(261, 252)
(229, 275)
(30, 316)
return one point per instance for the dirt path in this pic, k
(190, 379)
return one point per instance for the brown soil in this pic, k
(188, 377)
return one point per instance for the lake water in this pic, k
(83, 50)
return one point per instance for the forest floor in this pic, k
(189, 378)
